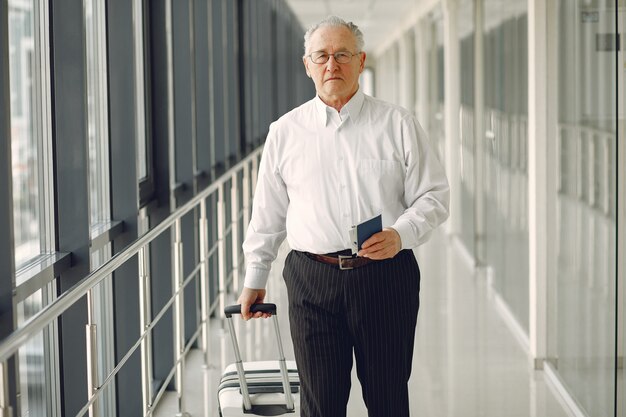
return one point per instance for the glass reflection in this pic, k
(467, 170)
(37, 370)
(97, 120)
(435, 74)
(582, 299)
(506, 153)
(24, 143)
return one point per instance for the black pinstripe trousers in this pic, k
(371, 310)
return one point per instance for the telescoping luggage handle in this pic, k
(264, 308)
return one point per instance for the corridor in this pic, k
(467, 363)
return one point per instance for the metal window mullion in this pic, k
(192, 75)
(8, 367)
(247, 72)
(171, 132)
(47, 135)
(225, 80)
(43, 125)
(102, 111)
(138, 58)
(211, 90)
(97, 122)
(254, 93)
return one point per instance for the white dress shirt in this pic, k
(324, 171)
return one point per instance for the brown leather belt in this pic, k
(343, 262)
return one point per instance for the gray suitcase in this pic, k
(259, 387)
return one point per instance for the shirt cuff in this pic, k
(406, 232)
(256, 278)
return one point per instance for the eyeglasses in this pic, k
(321, 57)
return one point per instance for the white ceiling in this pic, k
(377, 19)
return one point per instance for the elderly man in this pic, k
(329, 164)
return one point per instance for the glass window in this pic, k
(141, 56)
(219, 81)
(30, 147)
(406, 64)
(387, 86)
(466, 137)
(504, 143)
(435, 75)
(366, 81)
(582, 297)
(97, 114)
(140, 103)
(38, 365)
(99, 195)
(32, 193)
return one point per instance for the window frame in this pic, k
(42, 134)
(37, 274)
(143, 107)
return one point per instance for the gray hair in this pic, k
(334, 21)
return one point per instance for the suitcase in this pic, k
(262, 388)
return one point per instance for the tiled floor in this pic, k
(467, 363)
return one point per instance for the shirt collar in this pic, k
(351, 109)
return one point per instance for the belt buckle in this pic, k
(341, 258)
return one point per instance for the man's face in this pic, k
(334, 81)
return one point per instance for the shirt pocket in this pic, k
(381, 185)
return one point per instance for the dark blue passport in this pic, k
(366, 229)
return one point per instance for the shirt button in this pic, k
(345, 214)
